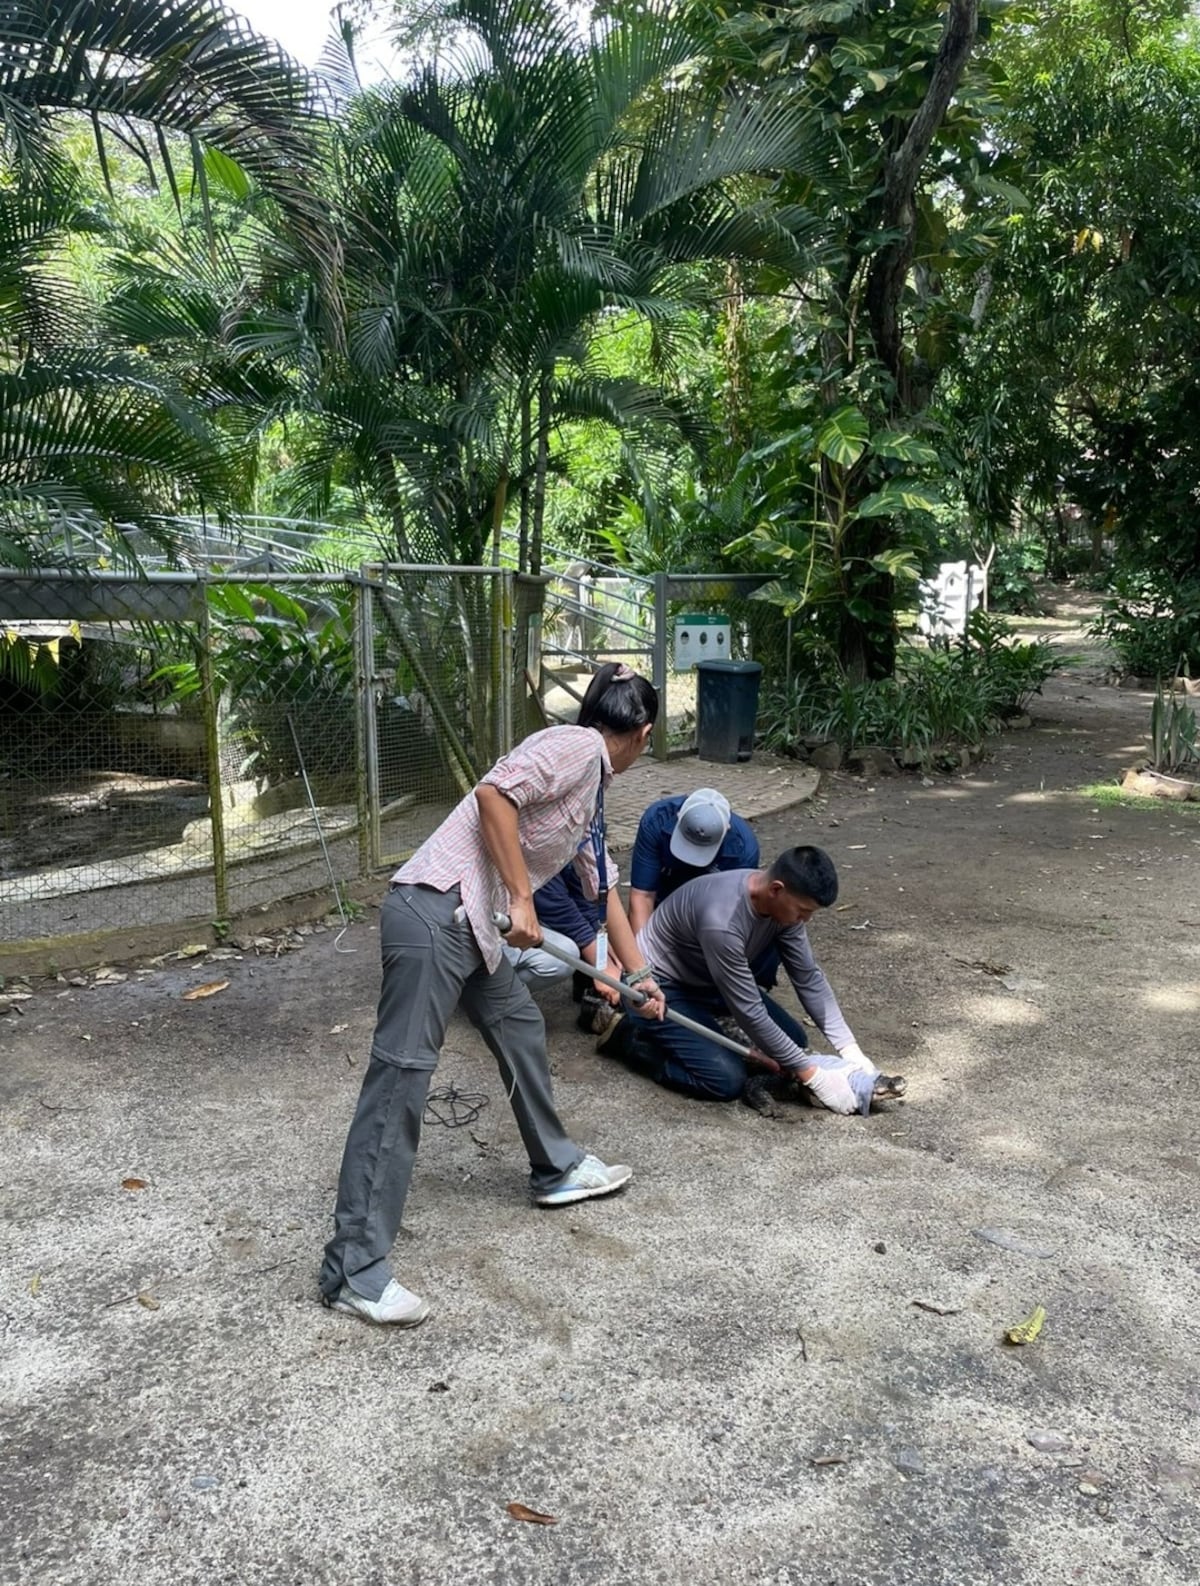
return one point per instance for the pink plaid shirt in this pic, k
(553, 778)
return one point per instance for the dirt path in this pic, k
(719, 1376)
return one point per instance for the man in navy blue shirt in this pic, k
(681, 838)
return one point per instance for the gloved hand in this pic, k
(857, 1058)
(839, 1086)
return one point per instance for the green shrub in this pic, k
(1010, 674)
(1152, 624)
(948, 695)
(1011, 577)
(1174, 736)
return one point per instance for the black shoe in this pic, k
(761, 1093)
(594, 1013)
(614, 1039)
(889, 1087)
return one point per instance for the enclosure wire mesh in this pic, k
(176, 750)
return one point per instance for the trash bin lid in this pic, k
(728, 666)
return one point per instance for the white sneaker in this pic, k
(590, 1179)
(396, 1306)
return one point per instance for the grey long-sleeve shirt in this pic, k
(706, 935)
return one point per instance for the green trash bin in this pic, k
(726, 709)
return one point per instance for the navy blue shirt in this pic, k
(654, 867)
(562, 907)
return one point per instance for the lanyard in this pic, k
(598, 847)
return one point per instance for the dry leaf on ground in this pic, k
(1025, 1332)
(148, 1300)
(134, 1183)
(35, 1284)
(520, 1512)
(208, 989)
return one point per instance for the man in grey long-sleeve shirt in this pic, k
(701, 942)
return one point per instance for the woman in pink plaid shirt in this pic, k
(539, 807)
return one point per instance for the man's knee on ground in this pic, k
(724, 1087)
(714, 1080)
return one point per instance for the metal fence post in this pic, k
(212, 764)
(363, 652)
(370, 727)
(659, 663)
(504, 662)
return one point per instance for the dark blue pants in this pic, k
(684, 1061)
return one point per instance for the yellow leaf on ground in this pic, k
(1025, 1332)
(208, 989)
(35, 1286)
(148, 1300)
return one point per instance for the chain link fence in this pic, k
(183, 747)
(180, 747)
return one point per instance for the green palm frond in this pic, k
(626, 404)
(187, 66)
(92, 439)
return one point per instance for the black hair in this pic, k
(808, 873)
(622, 704)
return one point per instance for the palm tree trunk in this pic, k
(540, 470)
(523, 474)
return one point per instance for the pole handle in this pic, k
(630, 993)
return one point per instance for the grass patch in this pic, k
(1108, 794)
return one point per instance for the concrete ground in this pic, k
(777, 1357)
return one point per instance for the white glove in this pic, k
(857, 1058)
(832, 1088)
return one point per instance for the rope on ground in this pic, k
(454, 1108)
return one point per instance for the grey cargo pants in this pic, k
(431, 965)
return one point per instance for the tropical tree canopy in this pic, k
(823, 292)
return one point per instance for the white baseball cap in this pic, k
(700, 828)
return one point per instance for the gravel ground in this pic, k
(777, 1357)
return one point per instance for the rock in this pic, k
(826, 757)
(1155, 784)
(872, 762)
(909, 1462)
(1048, 1442)
(1019, 723)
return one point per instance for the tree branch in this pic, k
(902, 170)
